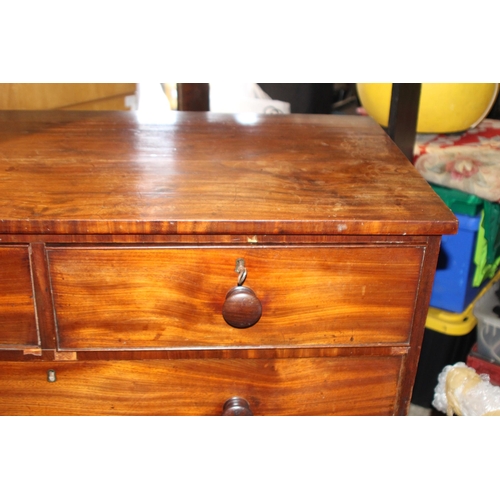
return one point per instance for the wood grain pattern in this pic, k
(212, 239)
(151, 298)
(205, 173)
(308, 386)
(50, 355)
(18, 326)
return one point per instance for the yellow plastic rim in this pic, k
(444, 107)
(456, 324)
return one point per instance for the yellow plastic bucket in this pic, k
(444, 107)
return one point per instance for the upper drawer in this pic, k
(18, 326)
(129, 298)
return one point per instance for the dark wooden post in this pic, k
(193, 97)
(403, 116)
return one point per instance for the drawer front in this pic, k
(131, 298)
(306, 386)
(18, 327)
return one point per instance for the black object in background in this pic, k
(495, 109)
(403, 114)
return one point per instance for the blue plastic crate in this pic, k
(453, 290)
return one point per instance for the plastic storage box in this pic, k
(481, 365)
(487, 312)
(452, 289)
(458, 201)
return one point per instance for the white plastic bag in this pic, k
(461, 391)
(244, 97)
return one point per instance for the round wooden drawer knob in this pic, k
(242, 308)
(236, 407)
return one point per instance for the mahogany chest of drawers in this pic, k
(208, 264)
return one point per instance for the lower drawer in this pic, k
(293, 386)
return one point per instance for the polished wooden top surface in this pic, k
(65, 172)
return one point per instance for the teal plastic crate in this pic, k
(459, 202)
